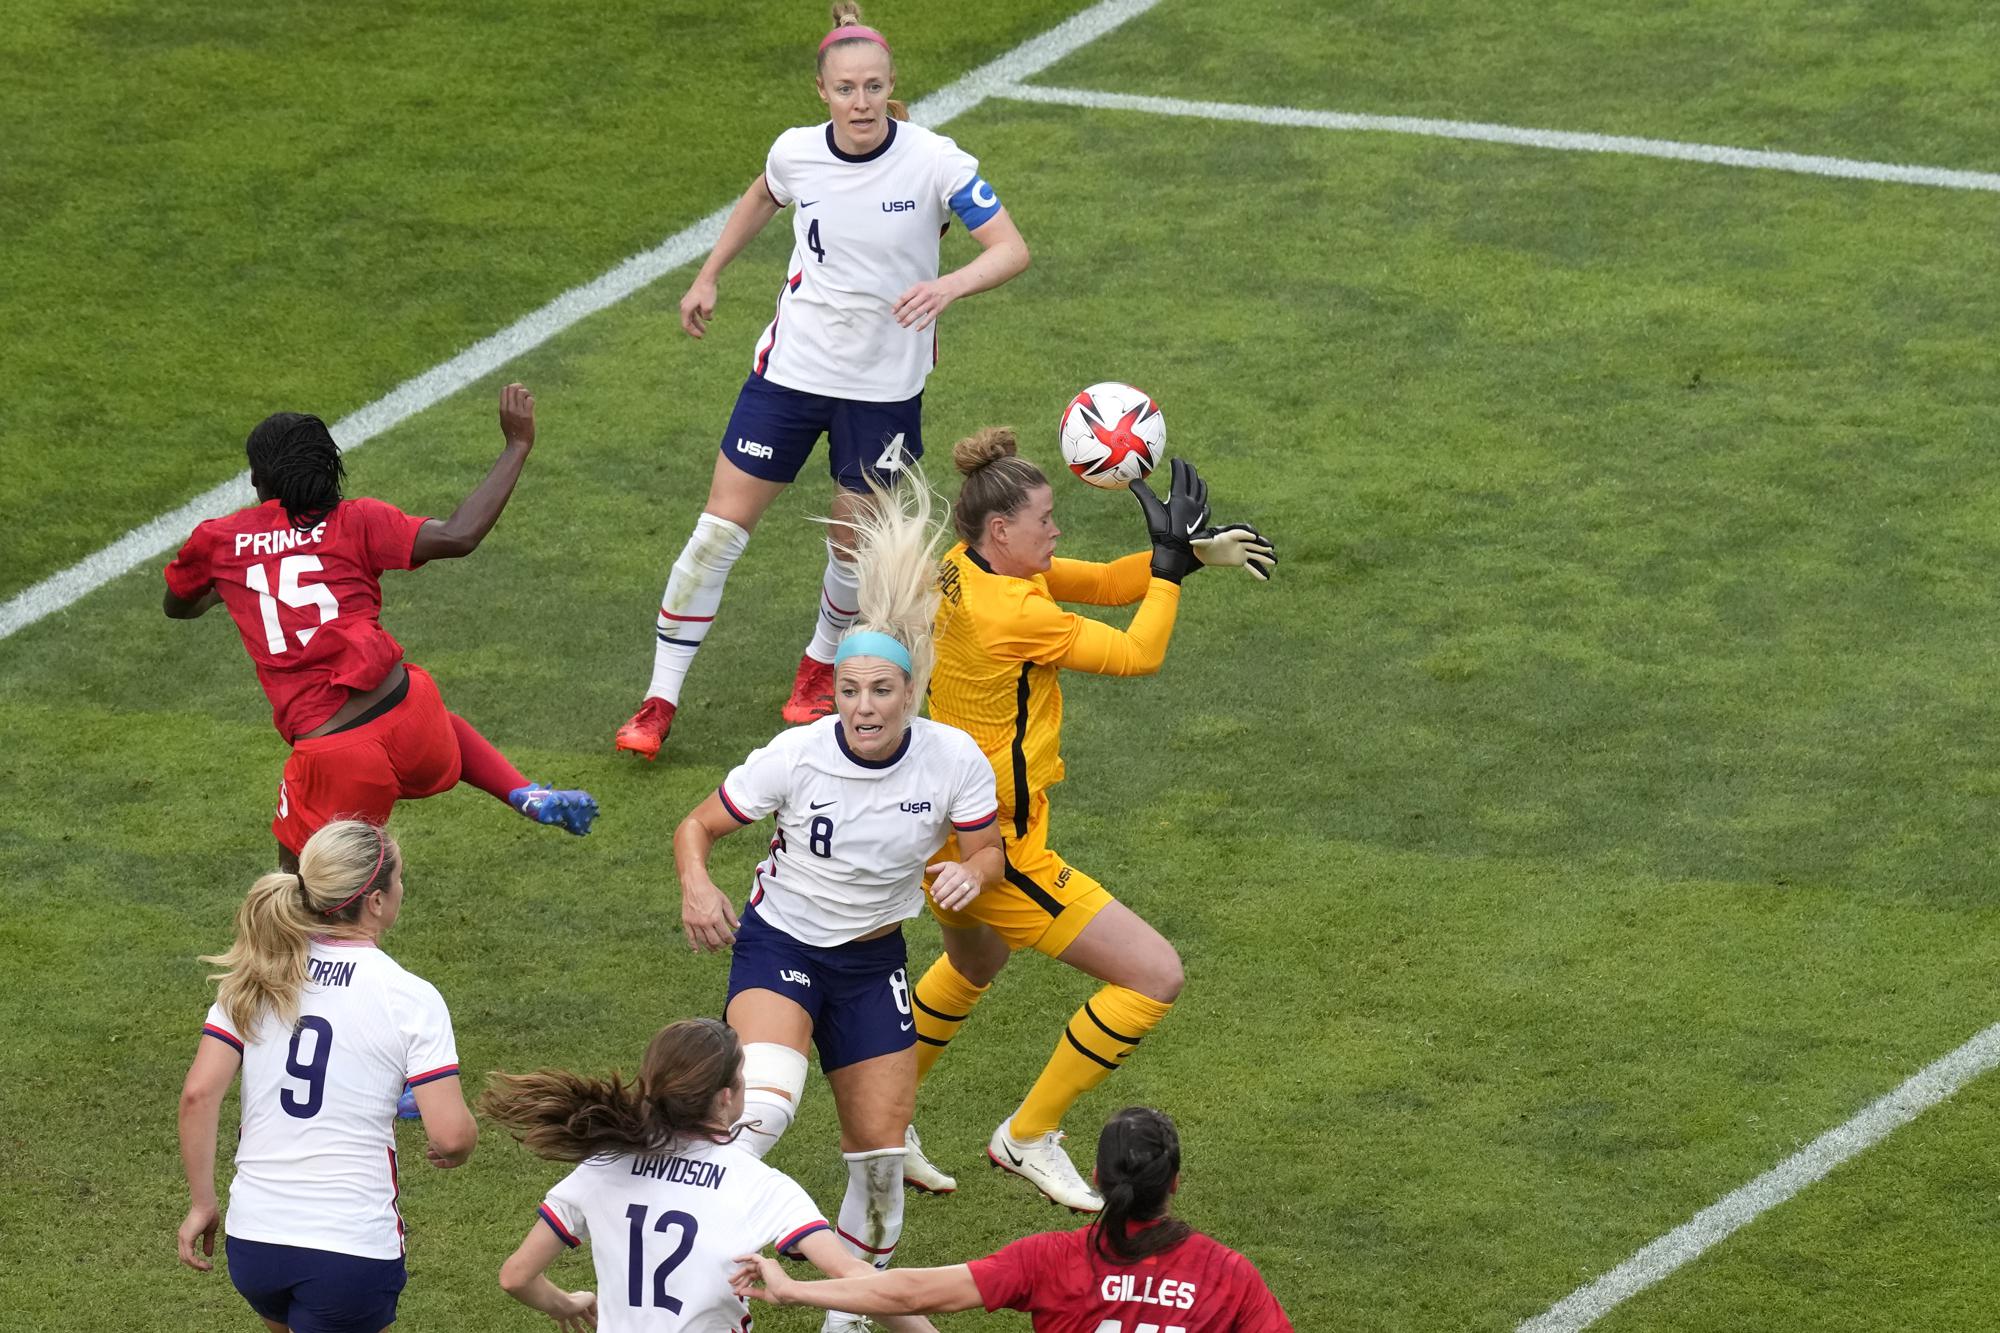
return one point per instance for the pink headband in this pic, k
(852, 32)
(381, 850)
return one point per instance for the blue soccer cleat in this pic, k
(406, 1105)
(573, 810)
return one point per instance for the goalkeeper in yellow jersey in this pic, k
(1001, 640)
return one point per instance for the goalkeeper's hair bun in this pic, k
(978, 449)
(997, 480)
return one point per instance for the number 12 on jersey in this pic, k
(635, 1280)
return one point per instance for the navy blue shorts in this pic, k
(858, 995)
(772, 429)
(316, 1291)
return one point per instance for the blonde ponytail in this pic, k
(897, 543)
(264, 969)
(846, 14)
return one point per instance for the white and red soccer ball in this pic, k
(1113, 435)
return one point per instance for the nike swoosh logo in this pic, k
(1010, 1154)
(907, 1026)
(807, 203)
(1193, 528)
(817, 805)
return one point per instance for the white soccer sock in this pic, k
(774, 1077)
(839, 603)
(687, 608)
(871, 1213)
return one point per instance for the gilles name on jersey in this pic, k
(679, 1170)
(1170, 1292)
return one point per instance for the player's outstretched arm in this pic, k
(861, 1289)
(1003, 256)
(208, 1079)
(460, 535)
(522, 1278)
(707, 915)
(753, 213)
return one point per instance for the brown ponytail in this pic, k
(997, 480)
(265, 968)
(567, 1117)
(1138, 1156)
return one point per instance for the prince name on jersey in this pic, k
(855, 834)
(865, 232)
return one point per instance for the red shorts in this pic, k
(408, 752)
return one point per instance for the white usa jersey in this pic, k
(855, 834)
(316, 1158)
(865, 231)
(665, 1230)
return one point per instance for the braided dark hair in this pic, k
(293, 458)
(1138, 1156)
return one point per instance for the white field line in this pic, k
(153, 539)
(1715, 154)
(1931, 1085)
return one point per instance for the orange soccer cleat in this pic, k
(812, 692)
(647, 729)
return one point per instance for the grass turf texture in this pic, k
(1588, 816)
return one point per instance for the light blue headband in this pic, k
(873, 643)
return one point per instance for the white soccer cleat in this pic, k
(1043, 1164)
(919, 1172)
(837, 1322)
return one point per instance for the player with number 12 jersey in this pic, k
(846, 352)
(301, 575)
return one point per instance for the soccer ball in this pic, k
(1112, 435)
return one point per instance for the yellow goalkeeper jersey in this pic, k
(1001, 642)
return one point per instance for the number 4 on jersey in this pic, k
(893, 457)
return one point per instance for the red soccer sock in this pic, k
(482, 765)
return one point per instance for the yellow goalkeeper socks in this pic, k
(944, 1000)
(1099, 1037)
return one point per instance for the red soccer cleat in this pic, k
(812, 692)
(648, 727)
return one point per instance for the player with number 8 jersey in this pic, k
(863, 800)
(845, 355)
(301, 575)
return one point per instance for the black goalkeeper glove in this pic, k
(1238, 545)
(1174, 524)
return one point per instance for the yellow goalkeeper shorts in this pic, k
(1042, 902)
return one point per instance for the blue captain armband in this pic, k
(975, 203)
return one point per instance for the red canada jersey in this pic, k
(1197, 1286)
(307, 603)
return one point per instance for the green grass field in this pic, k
(1592, 812)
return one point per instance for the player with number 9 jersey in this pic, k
(662, 1193)
(301, 575)
(846, 352)
(327, 1030)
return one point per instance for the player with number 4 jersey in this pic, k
(326, 1030)
(846, 352)
(301, 574)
